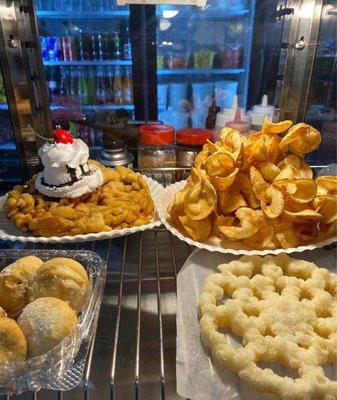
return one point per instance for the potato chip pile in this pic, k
(285, 313)
(123, 201)
(258, 189)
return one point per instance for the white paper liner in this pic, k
(214, 243)
(8, 231)
(198, 378)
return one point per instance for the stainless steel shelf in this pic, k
(199, 71)
(208, 15)
(122, 63)
(133, 353)
(114, 14)
(97, 107)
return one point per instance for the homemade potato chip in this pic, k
(258, 189)
(200, 200)
(278, 127)
(199, 230)
(249, 225)
(272, 203)
(301, 139)
(326, 185)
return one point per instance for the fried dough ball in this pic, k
(13, 344)
(45, 323)
(62, 278)
(14, 282)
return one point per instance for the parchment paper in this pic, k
(198, 378)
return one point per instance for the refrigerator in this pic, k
(89, 65)
(203, 58)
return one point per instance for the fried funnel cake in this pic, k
(123, 201)
(285, 311)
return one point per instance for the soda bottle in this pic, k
(53, 85)
(95, 47)
(127, 51)
(91, 84)
(64, 90)
(44, 47)
(118, 86)
(73, 81)
(117, 53)
(51, 48)
(69, 48)
(82, 87)
(100, 86)
(109, 85)
(127, 87)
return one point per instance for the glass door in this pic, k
(86, 51)
(203, 59)
(9, 163)
(321, 107)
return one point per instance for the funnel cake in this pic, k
(285, 311)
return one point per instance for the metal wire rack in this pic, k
(132, 354)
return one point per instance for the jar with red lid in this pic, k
(189, 144)
(156, 147)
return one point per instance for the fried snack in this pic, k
(123, 201)
(62, 278)
(14, 283)
(13, 344)
(285, 311)
(45, 323)
(258, 189)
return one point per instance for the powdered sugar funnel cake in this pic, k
(66, 170)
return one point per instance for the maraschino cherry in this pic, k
(62, 136)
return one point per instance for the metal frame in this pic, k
(23, 79)
(299, 62)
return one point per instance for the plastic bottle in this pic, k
(100, 86)
(228, 114)
(118, 86)
(238, 124)
(127, 87)
(82, 87)
(127, 50)
(259, 111)
(109, 84)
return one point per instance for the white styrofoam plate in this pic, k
(8, 231)
(216, 244)
(198, 376)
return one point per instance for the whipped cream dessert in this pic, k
(66, 170)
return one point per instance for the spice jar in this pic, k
(156, 146)
(189, 144)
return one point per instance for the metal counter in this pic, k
(132, 355)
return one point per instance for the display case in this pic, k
(87, 56)
(203, 58)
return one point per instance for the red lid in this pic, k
(156, 135)
(194, 136)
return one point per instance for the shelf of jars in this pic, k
(121, 63)
(199, 71)
(115, 14)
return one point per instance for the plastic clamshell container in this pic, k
(62, 367)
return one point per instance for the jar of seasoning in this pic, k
(189, 144)
(156, 146)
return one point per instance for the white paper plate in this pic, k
(214, 243)
(198, 378)
(8, 231)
